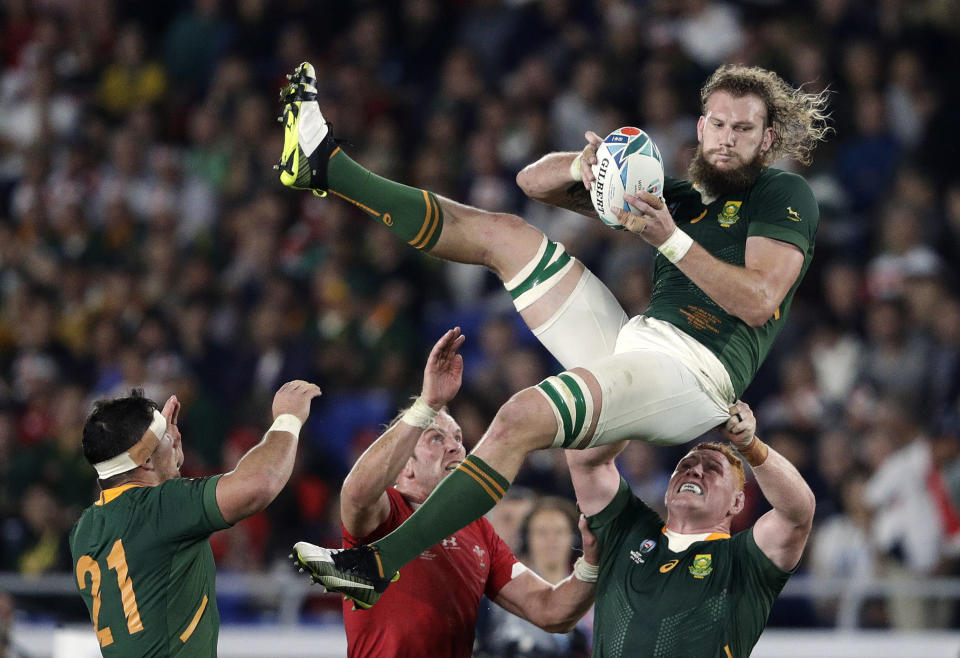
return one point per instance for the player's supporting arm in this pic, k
(363, 499)
(595, 477)
(555, 608)
(782, 532)
(264, 470)
(752, 293)
(563, 179)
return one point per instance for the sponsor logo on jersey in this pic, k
(730, 213)
(699, 217)
(480, 553)
(667, 566)
(793, 215)
(428, 555)
(450, 543)
(702, 565)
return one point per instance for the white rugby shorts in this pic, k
(659, 384)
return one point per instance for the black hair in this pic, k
(115, 425)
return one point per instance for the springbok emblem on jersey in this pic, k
(702, 565)
(730, 213)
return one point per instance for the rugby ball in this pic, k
(629, 162)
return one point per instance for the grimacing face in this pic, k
(439, 451)
(703, 488)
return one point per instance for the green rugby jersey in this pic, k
(779, 205)
(711, 600)
(145, 569)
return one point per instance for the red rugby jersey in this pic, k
(432, 609)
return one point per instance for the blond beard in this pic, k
(718, 182)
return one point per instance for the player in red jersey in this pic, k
(432, 609)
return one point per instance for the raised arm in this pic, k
(363, 500)
(554, 608)
(264, 470)
(782, 532)
(595, 477)
(558, 179)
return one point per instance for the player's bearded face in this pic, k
(732, 178)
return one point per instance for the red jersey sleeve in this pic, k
(502, 560)
(399, 511)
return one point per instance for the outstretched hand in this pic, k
(294, 398)
(741, 426)
(443, 373)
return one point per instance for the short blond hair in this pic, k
(732, 457)
(799, 120)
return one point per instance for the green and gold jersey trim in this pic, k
(113, 493)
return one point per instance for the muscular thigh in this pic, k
(649, 396)
(578, 320)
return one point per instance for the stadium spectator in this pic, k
(151, 526)
(432, 610)
(547, 547)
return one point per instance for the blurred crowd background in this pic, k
(145, 241)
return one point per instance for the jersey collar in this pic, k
(109, 494)
(677, 541)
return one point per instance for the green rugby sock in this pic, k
(414, 215)
(460, 499)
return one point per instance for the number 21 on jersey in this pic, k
(116, 560)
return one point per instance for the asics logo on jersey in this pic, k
(667, 566)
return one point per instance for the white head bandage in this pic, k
(138, 453)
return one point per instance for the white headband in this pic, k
(138, 453)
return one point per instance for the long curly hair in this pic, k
(799, 120)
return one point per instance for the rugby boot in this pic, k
(307, 139)
(353, 572)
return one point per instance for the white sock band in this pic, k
(420, 414)
(572, 406)
(676, 246)
(286, 423)
(543, 272)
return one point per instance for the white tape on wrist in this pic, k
(575, 172)
(420, 414)
(676, 246)
(286, 423)
(583, 570)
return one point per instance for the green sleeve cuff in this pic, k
(780, 233)
(210, 505)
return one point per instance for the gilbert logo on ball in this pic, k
(628, 162)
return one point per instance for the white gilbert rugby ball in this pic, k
(627, 162)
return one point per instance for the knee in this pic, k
(506, 241)
(520, 423)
